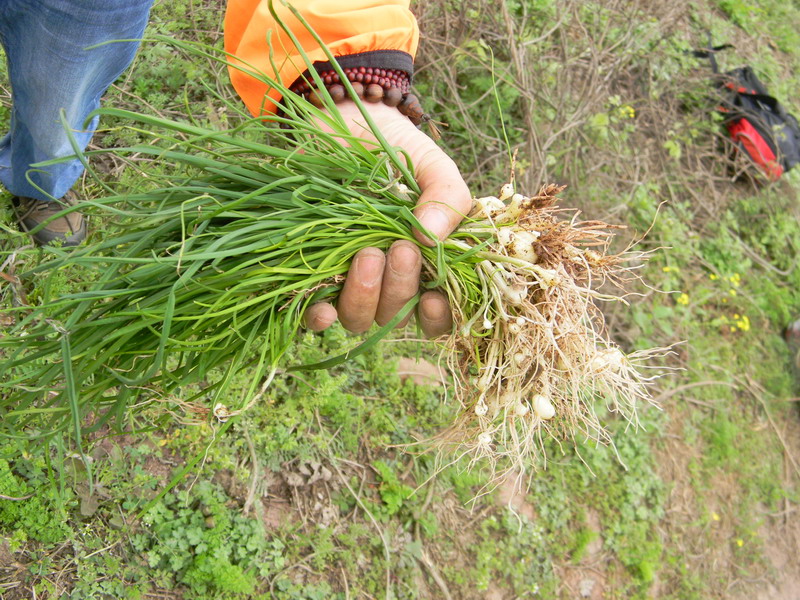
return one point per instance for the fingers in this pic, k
(358, 300)
(400, 281)
(435, 317)
(320, 316)
(377, 287)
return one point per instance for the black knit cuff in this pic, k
(377, 59)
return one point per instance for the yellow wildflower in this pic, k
(713, 276)
(732, 292)
(715, 516)
(743, 322)
(740, 542)
(683, 299)
(735, 279)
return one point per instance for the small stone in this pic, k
(585, 587)
(294, 479)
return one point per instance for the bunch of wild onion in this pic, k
(209, 267)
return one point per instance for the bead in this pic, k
(415, 111)
(337, 93)
(392, 86)
(393, 97)
(407, 101)
(315, 99)
(373, 93)
(358, 89)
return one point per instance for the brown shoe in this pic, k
(70, 229)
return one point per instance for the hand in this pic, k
(378, 285)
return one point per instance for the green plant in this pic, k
(196, 539)
(34, 508)
(230, 246)
(522, 565)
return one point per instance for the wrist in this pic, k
(371, 84)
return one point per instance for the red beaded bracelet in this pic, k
(370, 84)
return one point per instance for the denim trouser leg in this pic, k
(50, 69)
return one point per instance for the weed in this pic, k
(640, 142)
(522, 566)
(195, 539)
(38, 511)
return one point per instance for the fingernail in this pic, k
(370, 268)
(436, 221)
(402, 257)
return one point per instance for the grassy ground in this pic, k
(309, 495)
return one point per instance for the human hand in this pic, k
(378, 285)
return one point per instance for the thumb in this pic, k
(445, 198)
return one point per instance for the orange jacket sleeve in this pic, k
(366, 33)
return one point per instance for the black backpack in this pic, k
(756, 122)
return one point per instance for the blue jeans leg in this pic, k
(52, 68)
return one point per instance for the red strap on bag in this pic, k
(743, 132)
